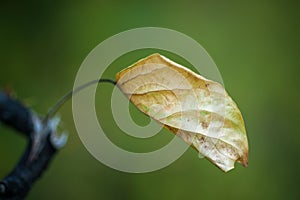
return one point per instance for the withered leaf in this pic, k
(194, 108)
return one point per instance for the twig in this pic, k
(43, 144)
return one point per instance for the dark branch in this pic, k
(14, 114)
(42, 146)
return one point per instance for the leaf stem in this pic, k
(68, 95)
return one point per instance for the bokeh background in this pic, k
(255, 45)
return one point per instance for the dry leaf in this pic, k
(194, 108)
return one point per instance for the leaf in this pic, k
(194, 108)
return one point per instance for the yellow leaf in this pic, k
(194, 108)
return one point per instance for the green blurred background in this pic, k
(255, 46)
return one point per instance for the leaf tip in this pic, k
(244, 159)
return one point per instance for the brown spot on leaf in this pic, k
(204, 125)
